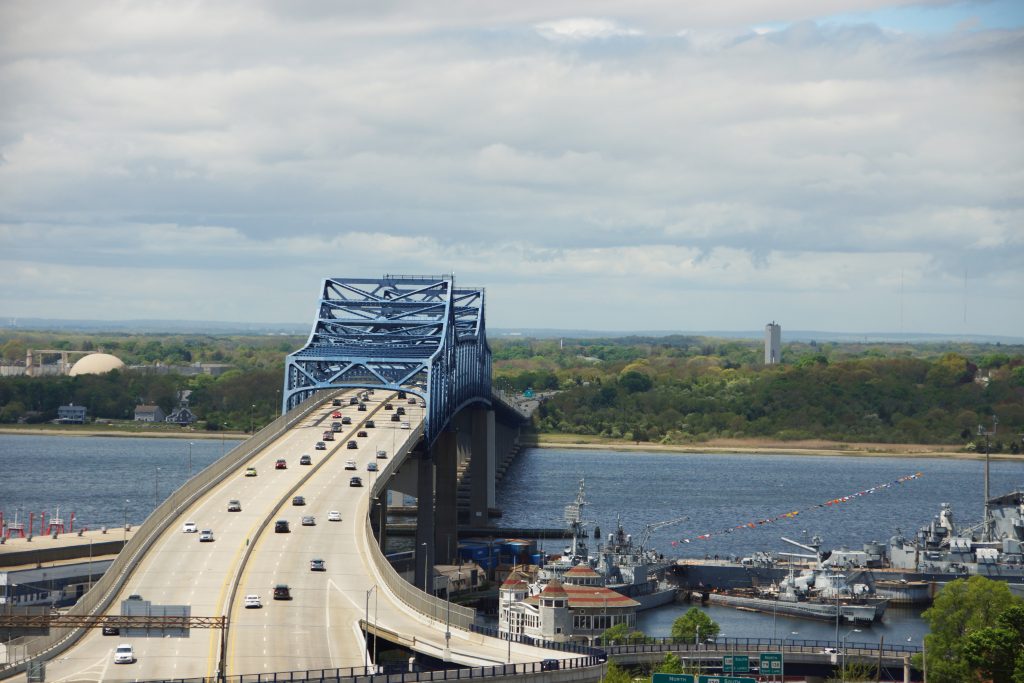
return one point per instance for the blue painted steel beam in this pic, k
(419, 334)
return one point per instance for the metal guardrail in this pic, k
(369, 674)
(578, 648)
(753, 645)
(159, 520)
(424, 603)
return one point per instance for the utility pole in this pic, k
(189, 459)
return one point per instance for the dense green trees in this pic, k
(694, 624)
(976, 628)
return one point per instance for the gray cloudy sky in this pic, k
(605, 165)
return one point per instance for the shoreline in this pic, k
(122, 433)
(766, 447)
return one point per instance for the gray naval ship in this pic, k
(907, 570)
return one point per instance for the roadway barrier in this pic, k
(548, 671)
(649, 644)
(429, 605)
(103, 592)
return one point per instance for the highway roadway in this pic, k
(318, 627)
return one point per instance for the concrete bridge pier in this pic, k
(424, 516)
(481, 466)
(445, 454)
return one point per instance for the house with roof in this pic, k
(149, 413)
(577, 608)
(71, 414)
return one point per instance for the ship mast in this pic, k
(986, 532)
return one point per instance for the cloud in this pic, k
(660, 144)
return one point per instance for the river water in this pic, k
(95, 476)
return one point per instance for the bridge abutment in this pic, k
(481, 466)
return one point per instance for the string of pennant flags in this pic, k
(789, 515)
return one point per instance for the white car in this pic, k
(253, 601)
(333, 516)
(350, 464)
(124, 654)
(190, 528)
(206, 536)
(405, 425)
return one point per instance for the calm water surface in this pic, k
(722, 491)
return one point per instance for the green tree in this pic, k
(686, 627)
(672, 664)
(963, 621)
(616, 674)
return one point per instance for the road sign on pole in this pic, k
(770, 663)
(673, 678)
(725, 679)
(735, 664)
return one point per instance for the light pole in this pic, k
(124, 527)
(697, 643)
(424, 546)
(156, 485)
(224, 428)
(252, 428)
(448, 621)
(366, 658)
(190, 444)
(856, 630)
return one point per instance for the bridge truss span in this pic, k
(418, 334)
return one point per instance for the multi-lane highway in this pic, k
(319, 626)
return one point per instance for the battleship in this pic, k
(822, 592)
(627, 566)
(906, 569)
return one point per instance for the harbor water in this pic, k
(95, 476)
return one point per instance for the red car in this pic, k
(281, 464)
(335, 415)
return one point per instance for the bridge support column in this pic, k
(424, 518)
(481, 467)
(446, 461)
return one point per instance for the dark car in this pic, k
(549, 665)
(298, 500)
(395, 417)
(352, 445)
(321, 446)
(305, 460)
(401, 394)
(362, 408)
(336, 402)
(335, 426)
(355, 481)
(412, 401)
(282, 592)
(281, 464)
(281, 527)
(361, 434)
(388, 406)
(346, 420)
(370, 424)
(353, 401)
(400, 411)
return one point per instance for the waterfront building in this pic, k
(71, 414)
(149, 413)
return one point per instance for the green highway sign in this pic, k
(674, 678)
(735, 664)
(725, 679)
(770, 663)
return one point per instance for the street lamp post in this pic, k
(156, 484)
(366, 621)
(448, 621)
(124, 527)
(190, 444)
(252, 423)
(697, 643)
(856, 630)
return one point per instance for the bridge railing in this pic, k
(555, 670)
(429, 605)
(649, 644)
(102, 593)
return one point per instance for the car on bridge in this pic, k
(361, 408)
(395, 417)
(371, 467)
(335, 402)
(250, 471)
(335, 427)
(298, 500)
(317, 565)
(411, 401)
(350, 464)
(281, 464)
(346, 420)
(336, 415)
(253, 602)
(189, 528)
(362, 434)
(124, 654)
(282, 592)
(309, 520)
(382, 454)
(321, 446)
(333, 516)
(206, 536)
(355, 481)
(234, 505)
(405, 425)
(370, 424)
(306, 460)
(352, 445)
(388, 406)
(281, 527)
(400, 411)
(353, 401)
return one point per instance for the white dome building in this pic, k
(96, 364)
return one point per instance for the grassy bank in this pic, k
(133, 429)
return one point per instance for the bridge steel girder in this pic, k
(418, 334)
